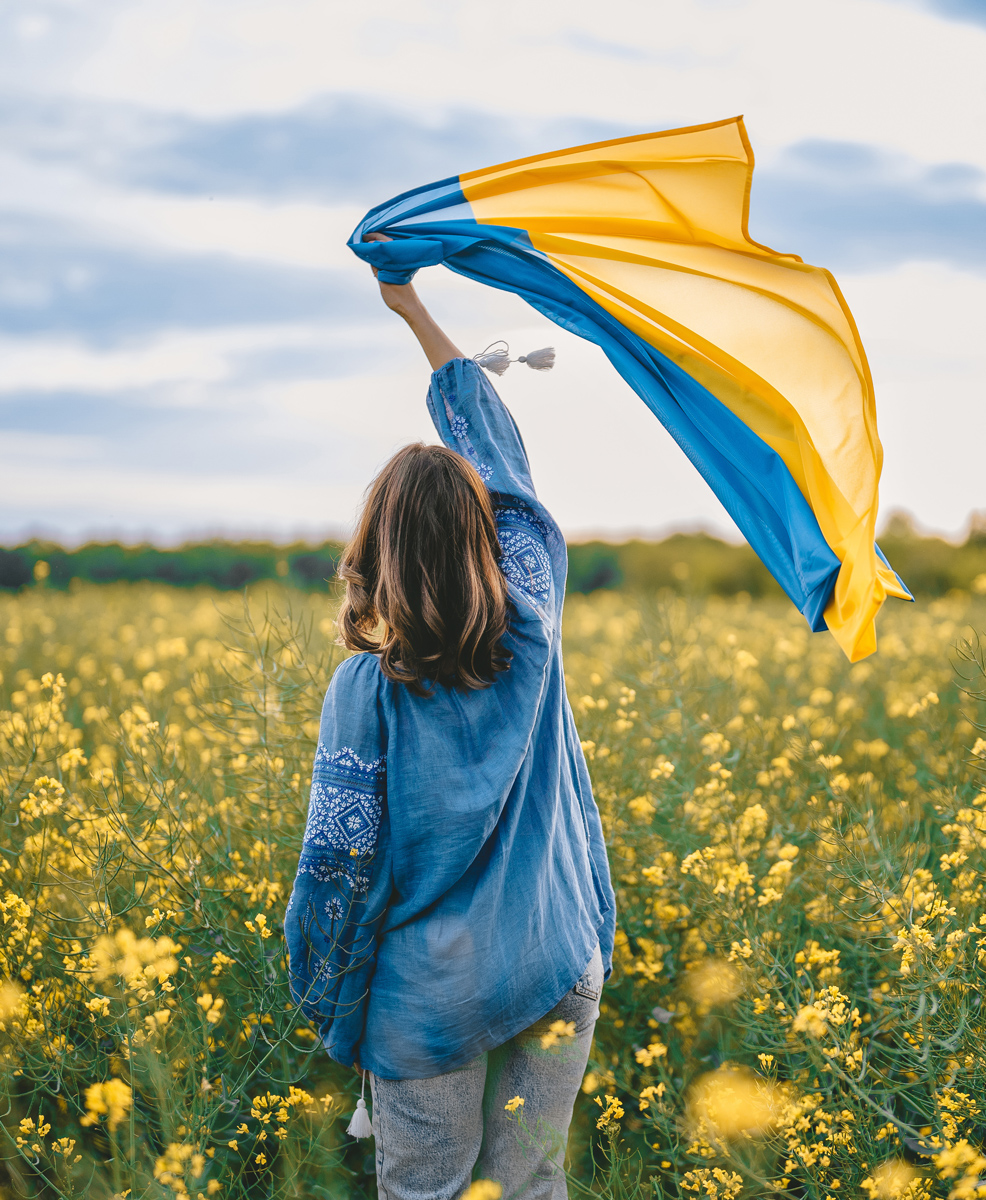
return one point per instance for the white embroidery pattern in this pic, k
(347, 764)
(524, 560)
(343, 819)
(459, 428)
(327, 868)
(344, 816)
(526, 564)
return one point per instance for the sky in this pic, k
(188, 348)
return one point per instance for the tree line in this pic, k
(687, 563)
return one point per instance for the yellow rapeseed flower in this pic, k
(890, 1181)
(733, 1101)
(112, 1099)
(612, 1112)
(713, 982)
(558, 1031)
(11, 1000)
(483, 1189)
(212, 1007)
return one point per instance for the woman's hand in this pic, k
(402, 299)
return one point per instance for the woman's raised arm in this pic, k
(402, 299)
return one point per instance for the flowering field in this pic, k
(798, 848)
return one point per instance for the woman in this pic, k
(453, 900)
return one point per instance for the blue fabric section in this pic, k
(399, 260)
(429, 198)
(488, 889)
(343, 883)
(751, 480)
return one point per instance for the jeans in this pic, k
(433, 1136)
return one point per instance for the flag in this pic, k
(748, 357)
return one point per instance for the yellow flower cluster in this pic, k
(112, 1100)
(182, 1165)
(609, 1121)
(559, 1033)
(798, 846)
(483, 1189)
(791, 895)
(154, 752)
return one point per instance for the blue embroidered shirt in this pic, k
(453, 879)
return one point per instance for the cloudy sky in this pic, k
(187, 346)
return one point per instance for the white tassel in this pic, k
(361, 1126)
(539, 360)
(497, 363)
(495, 358)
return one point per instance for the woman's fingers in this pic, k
(376, 237)
(400, 297)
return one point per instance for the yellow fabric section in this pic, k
(654, 229)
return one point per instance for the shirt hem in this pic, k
(481, 1045)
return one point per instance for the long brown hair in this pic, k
(423, 586)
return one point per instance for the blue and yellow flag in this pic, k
(749, 358)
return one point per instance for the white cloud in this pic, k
(860, 70)
(870, 71)
(602, 463)
(43, 364)
(922, 328)
(25, 453)
(46, 364)
(291, 234)
(584, 429)
(135, 502)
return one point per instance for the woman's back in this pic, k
(453, 882)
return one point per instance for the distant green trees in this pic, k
(701, 565)
(690, 563)
(694, 564)
(218, 564)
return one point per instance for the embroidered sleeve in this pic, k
(343, 817)
(337, 900)
(337, 853)
(524, 555)
(472, 419)
(343, 882)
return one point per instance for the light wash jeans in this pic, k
(433, 1136)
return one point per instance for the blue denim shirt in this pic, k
(453, 881)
